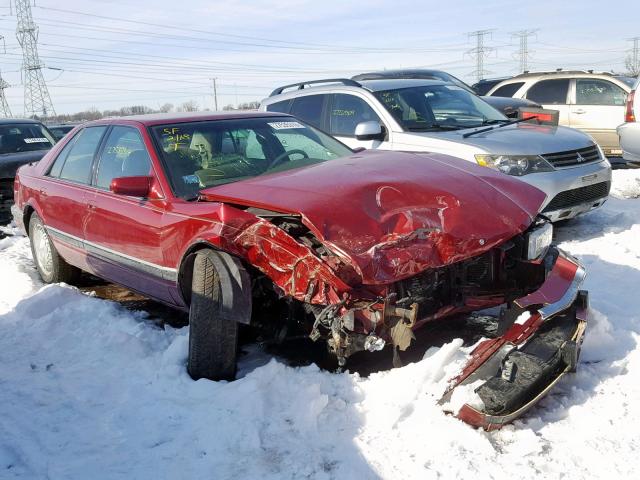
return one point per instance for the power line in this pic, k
(523, 54)
(480, 52)
(36, 96)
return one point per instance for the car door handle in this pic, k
(42, 192)
(91, 206)
(580, 111)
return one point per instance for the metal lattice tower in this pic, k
(634, 55)
(37, 101)
(523, 54)
(480, 52)
(5, 111)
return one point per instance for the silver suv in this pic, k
(434, 116)
(589, 101)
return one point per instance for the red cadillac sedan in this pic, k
(259, 219)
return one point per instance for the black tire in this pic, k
(60, 270)
(213, 339)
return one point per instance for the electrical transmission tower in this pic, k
(37, 101)
(5, 111)
(480, 52)
(523, 54)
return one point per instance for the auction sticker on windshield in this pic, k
(285, 125)
(36, 140)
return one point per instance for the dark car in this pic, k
(509, 107)
(21, 142)
(258, 219)
(60, 131)
(482, 87)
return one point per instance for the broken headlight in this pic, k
(538, 241)
(514, 164)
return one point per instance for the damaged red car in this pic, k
(257, 218)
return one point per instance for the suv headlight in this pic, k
(515, 164)
(538, 241)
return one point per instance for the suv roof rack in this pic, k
(560, 70)
(408, 74)
(301, 85)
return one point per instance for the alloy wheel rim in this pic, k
(42, 248)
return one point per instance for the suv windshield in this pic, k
(438, 107)
(209, 153)
(24, 137)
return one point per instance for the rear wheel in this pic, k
(213, 339)
(51, 266)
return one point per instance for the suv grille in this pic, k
(6, 199)
(577, 196)
(573, 157)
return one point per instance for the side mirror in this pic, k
(131, 186)
(370, 131)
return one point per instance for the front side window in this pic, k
(507, 90)
(438, 107)
(124, 155)
(309, 109)
(209, 153)
(347, 111)
(591, 91)
(79, 157)
(24, 137)
(550, 92)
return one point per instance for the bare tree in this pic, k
(167, 107)
(190, 106)
(633, 68)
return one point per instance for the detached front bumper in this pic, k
(515, 370)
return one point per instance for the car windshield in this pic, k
(24, 137)
(208, 153)
(438, 107)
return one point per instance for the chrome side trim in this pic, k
(166, 273)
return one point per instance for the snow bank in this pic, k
(91, 390)
(626, 184)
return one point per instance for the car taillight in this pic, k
(628, 114)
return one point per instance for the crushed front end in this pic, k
(540, 324)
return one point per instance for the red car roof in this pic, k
(184, 117)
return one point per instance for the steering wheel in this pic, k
(286, 154)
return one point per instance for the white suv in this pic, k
(434, 116)
(589, 101)
(629, 132)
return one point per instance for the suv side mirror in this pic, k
(370, 131)
(131, 186)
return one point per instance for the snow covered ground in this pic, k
(90, 390)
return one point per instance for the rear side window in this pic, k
(309, 109)
(553, 92)
(124, 155)
(507, 90)
(282, 107)
(347, 111)
(79, 158)
(599, 92)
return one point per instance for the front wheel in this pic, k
(51, 266)
(213, 339)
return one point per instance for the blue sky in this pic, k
(253, 46)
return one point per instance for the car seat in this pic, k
(136, 164)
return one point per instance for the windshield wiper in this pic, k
(434, 126)
(488, 129)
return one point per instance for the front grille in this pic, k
(6, 200)
(573, 157)
(577, 196)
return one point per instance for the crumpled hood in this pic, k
(391, 215)
(519, 139)
(10, 162)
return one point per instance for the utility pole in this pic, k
(215, 94)
(523, 54)
(37, 101)
(480, 52)
(633, 60)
